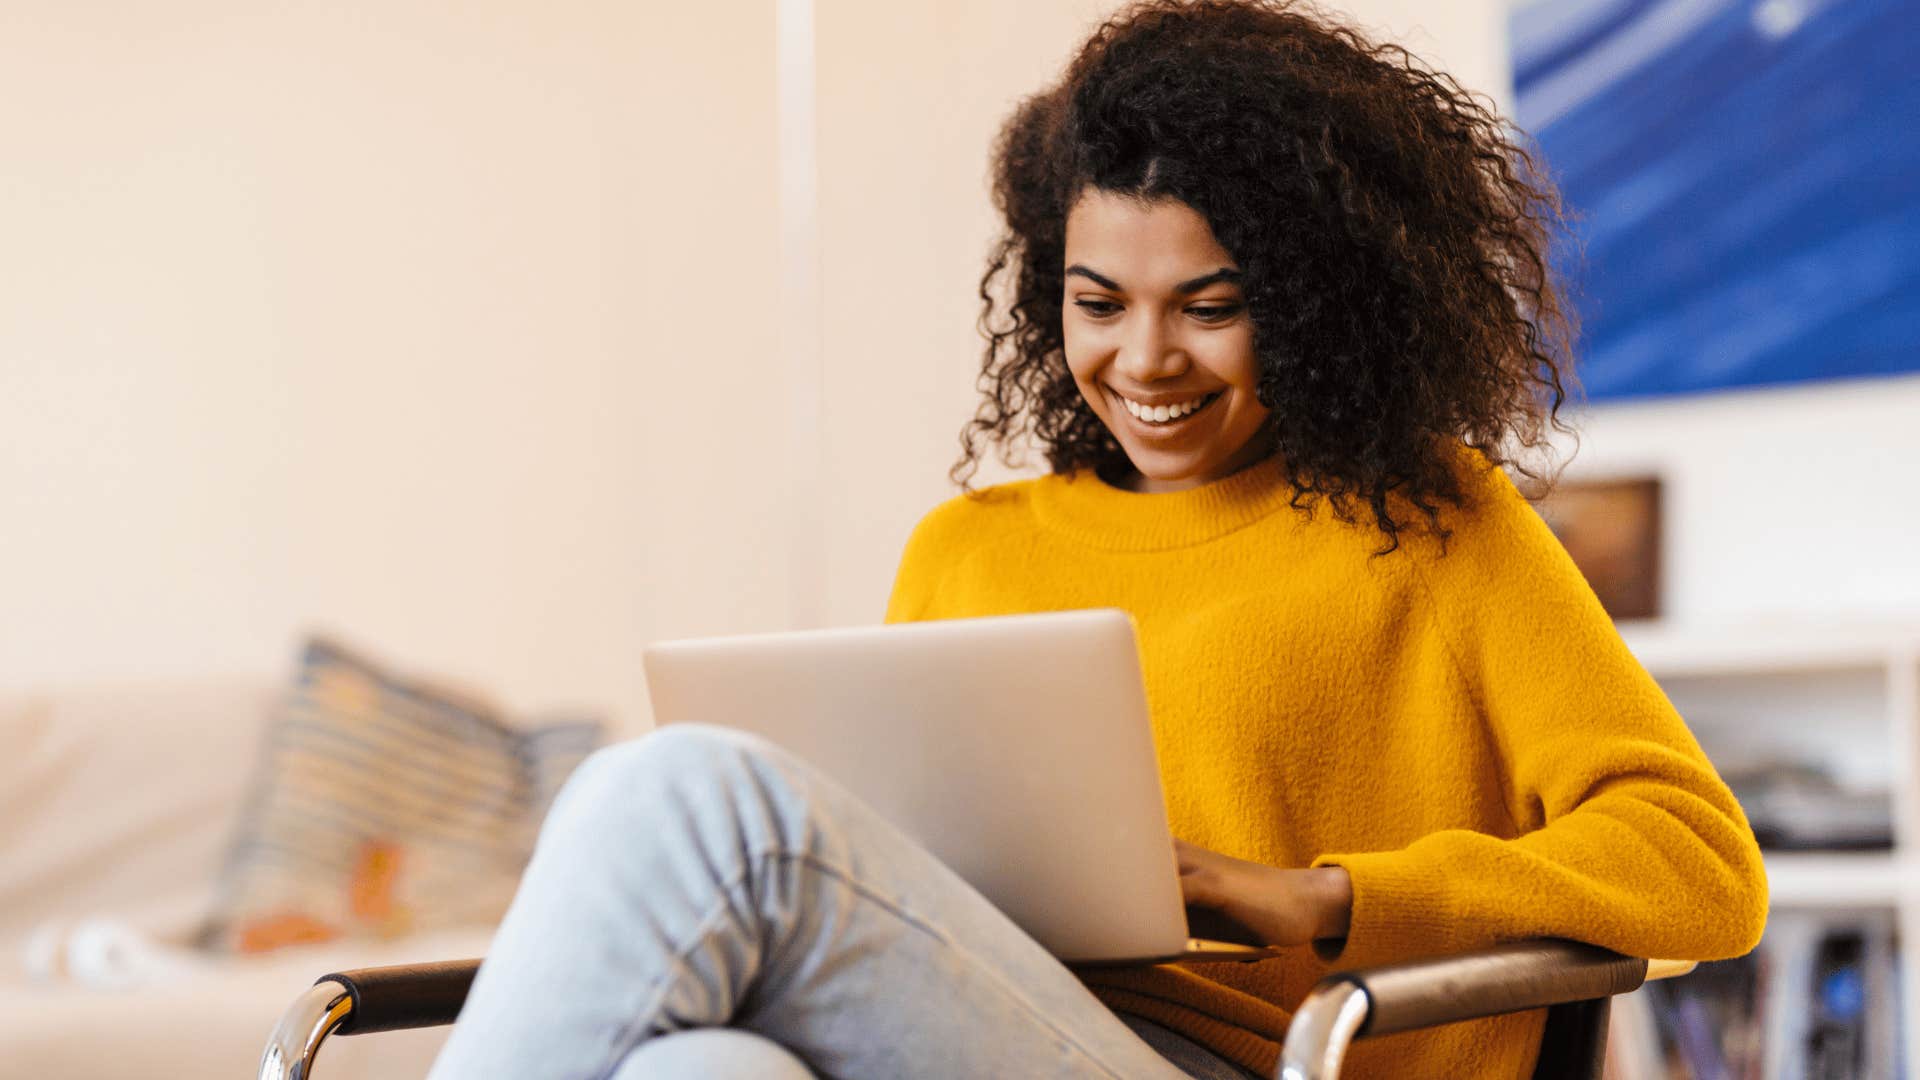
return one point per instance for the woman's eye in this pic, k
(1100, 309)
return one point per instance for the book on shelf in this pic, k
(1818, 1000)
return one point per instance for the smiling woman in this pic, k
(1165, 361)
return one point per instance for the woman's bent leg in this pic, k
(701, 877)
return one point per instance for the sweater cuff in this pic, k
(1402, 909)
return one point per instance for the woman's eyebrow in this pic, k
(1101, 280)
(1184, 288)
(1201, 282)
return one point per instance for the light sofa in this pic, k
(117, 802)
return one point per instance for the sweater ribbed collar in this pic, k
(1094, 512)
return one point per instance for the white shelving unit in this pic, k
(1836, 879)
(1843, 696)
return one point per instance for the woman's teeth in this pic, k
(1161, 414)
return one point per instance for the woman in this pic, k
(1275, 304)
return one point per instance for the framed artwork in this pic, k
(1742, 178)
(1612, 530)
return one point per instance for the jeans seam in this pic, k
(627, 1042)
(628, 1039)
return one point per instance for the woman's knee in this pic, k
(719, 1053)
(699, 757)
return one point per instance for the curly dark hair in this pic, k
(1392, 233)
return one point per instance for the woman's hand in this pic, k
(1282, 906)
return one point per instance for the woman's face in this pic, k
(1159, 340)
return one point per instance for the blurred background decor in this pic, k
(176, 854)
(1611, 528)
(1747, 242)
(383, 805)
(1747, 176)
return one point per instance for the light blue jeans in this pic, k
(704, 904)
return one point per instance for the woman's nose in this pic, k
(1148, 352)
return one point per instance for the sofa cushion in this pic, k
(382, 805)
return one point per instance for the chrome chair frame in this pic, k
(1574, 982)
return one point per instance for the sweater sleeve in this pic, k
(1628, 838)
(930, 548)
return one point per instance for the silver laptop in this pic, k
(1015, 748)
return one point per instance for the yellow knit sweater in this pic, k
(1465, 733)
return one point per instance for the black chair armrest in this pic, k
(404, 996)
(1349, 1005)
(360, 1001)
(1501, 979)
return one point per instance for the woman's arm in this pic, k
(1627, 836)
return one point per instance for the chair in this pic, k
(1573, 981)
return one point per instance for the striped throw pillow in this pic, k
(383, 805)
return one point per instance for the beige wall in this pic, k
(440, 325)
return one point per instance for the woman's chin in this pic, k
(1150, 469)
(1166, 472)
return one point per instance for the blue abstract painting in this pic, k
(1746, 175)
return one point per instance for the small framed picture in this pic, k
(1612, 530)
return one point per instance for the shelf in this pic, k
(1838, 878)
(1670, 651)
(1842, 695)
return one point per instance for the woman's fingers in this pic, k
(1200, 878)
(1198, 890)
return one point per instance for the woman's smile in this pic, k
(1181, 418)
